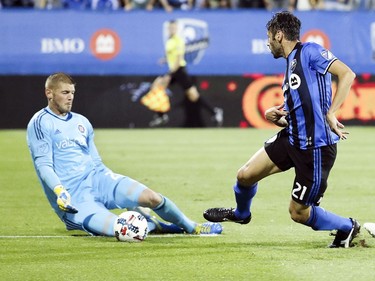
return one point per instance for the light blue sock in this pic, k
(168, 211)
(244, 196)
(321, 219)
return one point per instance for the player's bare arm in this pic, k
(345, 78)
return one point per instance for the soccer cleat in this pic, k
(164, 228)
(159, 120)
(218, 116)
(344, 239)
(224, 214)
(370, 227)
(208, 228)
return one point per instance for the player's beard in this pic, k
(62, 109)
(276, 51)
(68, 107)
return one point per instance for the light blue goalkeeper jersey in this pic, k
(62, 150)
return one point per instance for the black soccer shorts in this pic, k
(312, 167)
(182, 78)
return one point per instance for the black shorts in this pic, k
(182, 78)
(312, 167)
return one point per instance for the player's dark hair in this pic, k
(286, 22)
(54, 79)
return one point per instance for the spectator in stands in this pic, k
(280, 4)
(307, 5)
(252, 4)
(370, 4)
(177, 4)
(340, 5)
(17, 3)
(215, 4)
(105, 4)
(148, 5)
(48, 4)
(76, 4)
(138, 5)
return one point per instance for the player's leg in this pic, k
(92, 217)
(118, 192)
(217, 114)
(130, 194)
(101, 222)
(191, 92)
(256, 168)
(168, 211)
(308, 189)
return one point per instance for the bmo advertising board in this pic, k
(114, 54)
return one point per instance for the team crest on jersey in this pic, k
(327, 55)
(293, 65)
(196, 37)
(81, 129)
(294, 81)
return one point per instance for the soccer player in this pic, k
(174, 57)
(309, 138)
(79, 187)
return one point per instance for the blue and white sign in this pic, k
(218, 42)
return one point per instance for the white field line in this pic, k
(98, 237)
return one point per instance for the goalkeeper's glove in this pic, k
(63, 200)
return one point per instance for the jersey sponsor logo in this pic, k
(196, 36)
(70, 143)
(105, 44)
(294, 81)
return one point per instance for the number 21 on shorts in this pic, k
(299, 191)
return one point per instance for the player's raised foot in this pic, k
(344, 239)
(370, 227)
(224, 214)
(208, 228)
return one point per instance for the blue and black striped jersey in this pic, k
(308, 96)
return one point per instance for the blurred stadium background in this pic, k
(112, 53)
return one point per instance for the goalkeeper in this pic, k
(79, 187)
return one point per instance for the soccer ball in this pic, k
(130, 226)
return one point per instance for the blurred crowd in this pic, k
(171, 5)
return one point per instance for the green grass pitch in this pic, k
(196, 168)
